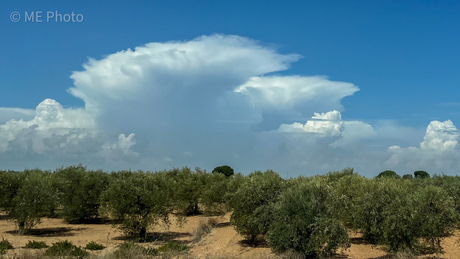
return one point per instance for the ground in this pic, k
(223, 239)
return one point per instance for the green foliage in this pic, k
(215, 194)
(389, 174)
(400, 213)
(36, 245)
(65, 248)
(5, 245)
(139, 200)
(94, 246)
(421, 175)
(306, 221)
(35, 198)
(225, 170)
(80, 192)
(129, 250)
(407, 176)
(10, 182)
(335, 176)
(451, 184)
(251, 212)
(173, 246)
(188, 188)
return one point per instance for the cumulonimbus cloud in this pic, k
(438, 151)
(203, 101)
(58, 132)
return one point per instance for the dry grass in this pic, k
(204, 227)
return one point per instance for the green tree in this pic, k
(250, 203)
(80, 192)
(389, 174)
(139, 200)
(306, 220)
(225, 169)
(188, 189)
(35, 198)
(10, 182)
(421, 174)
(407, 176)
(214, 195)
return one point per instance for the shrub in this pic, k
(251, 212)
(36, 244)
(65, 248)
(80, 192)
(173, 246)
(94, 246)
(130, 250)
(306, 221)
(5, 245)
(421, 174)
(139, 200)
(225, 170)
(389, 174)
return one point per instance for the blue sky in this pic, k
(402, 57)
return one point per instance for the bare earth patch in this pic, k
(221, 241)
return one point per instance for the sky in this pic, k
(299, 87)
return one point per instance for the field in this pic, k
(222, 242)
(196, 214)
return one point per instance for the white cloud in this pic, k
(330, 124)
(58, 132)
(288, 92)
(438, 151)
(214, 97)
(188, 154)
(207, 65)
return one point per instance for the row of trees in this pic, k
(310, 215)
(137, 199)
(393, 174)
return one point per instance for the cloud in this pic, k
(55, 132)
(291, 92)
(206, 96)
(437, 152)
(205, 67)
(330, 124)
(209, 101)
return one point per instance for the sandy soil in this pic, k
(223, 240)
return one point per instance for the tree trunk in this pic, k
(22, 226)
(143, 234)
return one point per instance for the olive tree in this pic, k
(34, 199)
(306, 220)
(138, 200)
(188, 188)
(80, 192)
(251, 201)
